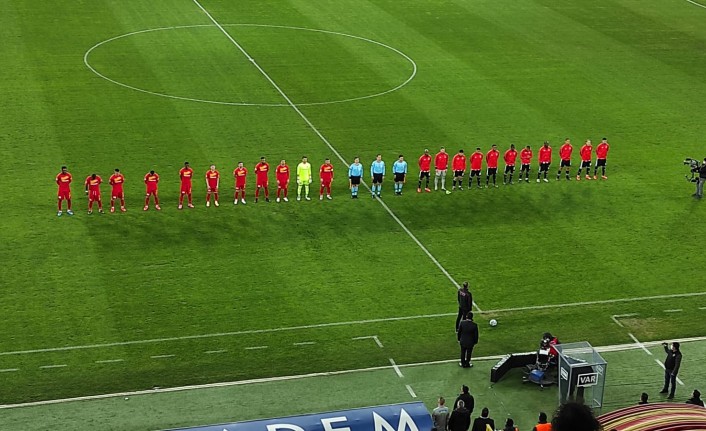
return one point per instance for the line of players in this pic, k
(355, 175)
(151, 179)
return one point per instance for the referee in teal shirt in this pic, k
(377, 171)
(399, 170)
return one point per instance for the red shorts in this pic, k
(261, 183)
(117, 195)
(282, 184)
(151, 192)
(240, 186)
(64, 194)
(213, 187)
(186, 188)
(326, 183)
(94, 196)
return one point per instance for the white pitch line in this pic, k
(211, 352)
(676, 310)
(396, 368)
(696, 4)
(161, 356)
(377, 341)
(662, 365)
(305, 343)
(326, 141)
(350, 322)
(702, 308)
(370, 337)
(615, 318)
(256, 348)
(611, 348)
(9, 370)
(411, 392)
(642, 346)
(47, 367)
(109, 361)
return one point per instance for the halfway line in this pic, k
(328, 144)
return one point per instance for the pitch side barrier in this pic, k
(393, 417)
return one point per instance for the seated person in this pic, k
(695, 399)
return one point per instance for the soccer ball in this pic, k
(493, 322)
(448, 192)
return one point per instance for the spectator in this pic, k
(483, 422)
(510, 425)
(643, 398)
(542, 424)
(574, 416)
(467, 399)
(440, 415)
(695, 399)
(460, 419)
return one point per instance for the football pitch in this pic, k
(122, 302)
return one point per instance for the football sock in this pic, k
(181, 198)
(112, 203)
(267, 192)
(603, 170)
(510, 177)
(567, 175)
(190, 199)
(59, 204)
(436, 182)
(443, 182)
(494, 179)
(100, 205)
(257, 192)
(285, 193)
(306, 189)
(545, 175)
(321, 190)
(147, 200)
(68, 204)
(90, 205)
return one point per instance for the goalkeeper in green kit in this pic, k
(303, 178)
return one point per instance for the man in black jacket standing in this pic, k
(671, 368)
(465, 303)
(467, 339)
(460, 419)
(467, 399)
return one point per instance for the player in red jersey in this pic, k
(240, 174)
(116, 181)
(491, 159)
(586, 153)
(441, 164)
(601, 158)
(526, 159)
(213, 179)
(186, 174)
(510, 157)
(63, 180)
(93, 190)
(545, 159)
(261, 180)
(565, 155)
(326, 176)
(476, 166)
(458, 165)
(151, 182)
(282, 173)
(424, 171)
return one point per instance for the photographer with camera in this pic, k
(700, 180)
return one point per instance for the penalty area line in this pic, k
(328, 144)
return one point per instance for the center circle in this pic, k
(150, 61)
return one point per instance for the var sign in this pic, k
(589, 379)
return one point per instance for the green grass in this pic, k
(488, 72)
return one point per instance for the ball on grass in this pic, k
(493, 322)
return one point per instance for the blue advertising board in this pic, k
(395, 417)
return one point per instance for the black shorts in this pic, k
(355, 181)
(475, 172)
(492, 171)
(458, 173)
(424, 174)
(565, 163)
(600, 162)
(544, 167)
(377, 178)
(525, 167)
(509, 169)
(585, 164)
(399, 177)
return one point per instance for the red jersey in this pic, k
(326, 173)
(459, 162)
(526, 156)
(492, 159)
(240, 174)
(545, 154)
(64, 181)
(212, 179)
(565, 152)
(117, 180)
(602, 150)
(261, 170)
(425, 163)
(93, 184)
(586, 152)
(441, 161)
(282, 173)
(151, 181)
(186, 174)
(510, 157)
(476, 161)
